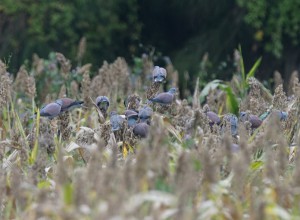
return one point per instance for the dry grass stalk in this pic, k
(294, 80)
(63, 125)
(65, 65)
(38, 65)
(257, 105)
(147, 67)
(81, 49)
(279, 98)
(5, 86)
(277, 79)
(86, 83)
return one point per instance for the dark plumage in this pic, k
(159, 74)
(164, 98)
(69, 104)
(102, 103)
(116, 121)
(141, 129)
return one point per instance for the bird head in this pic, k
(173, 90)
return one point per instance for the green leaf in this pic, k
(209, 86)
(231, 100)
(242, 66)
(253, 69)
(256, 165)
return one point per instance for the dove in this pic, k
(145, 114)
(159, 74)
(132, 117)
(51, 110)
(233, 122)
(69, 104)
(253, 119)
(116, 121)
(141, 129)
(103, 103)
(213, 117)
(164, 98)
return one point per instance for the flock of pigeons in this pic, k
(139, 120)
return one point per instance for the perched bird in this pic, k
(159, 74)
(232, 120)
(116, 121)
(253, 119)
(282, 116)
(51, 110)
(69, 104)
(132, 117)
(145, 114)
(141, 129)
(164, 98)
(213, 118)
(103, 103)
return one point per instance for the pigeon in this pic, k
(233, 122)
(253, 119)
(159, 74)
(132, 117)
(51, 110)
(213, 118)
(69, 104)
(145, 114)
(141, 129)
(103, 103)
(281, 115)
(116, 121)
(164, 98)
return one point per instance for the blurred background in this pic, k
(198, 36)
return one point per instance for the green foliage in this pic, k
(110, 27)
(231, 100)
(273, 21)
(244, 85)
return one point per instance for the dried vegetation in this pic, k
(74, 167)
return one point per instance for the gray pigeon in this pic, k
(159, 74)
(141, 129)
(69, 104)
(213, 118)
(164, 98)
(51, 110)
(145, 114)
(116, 121)
(132, 117)
(253, 119)
(232, 120)
(103, 103)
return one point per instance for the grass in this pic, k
(184, 169)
